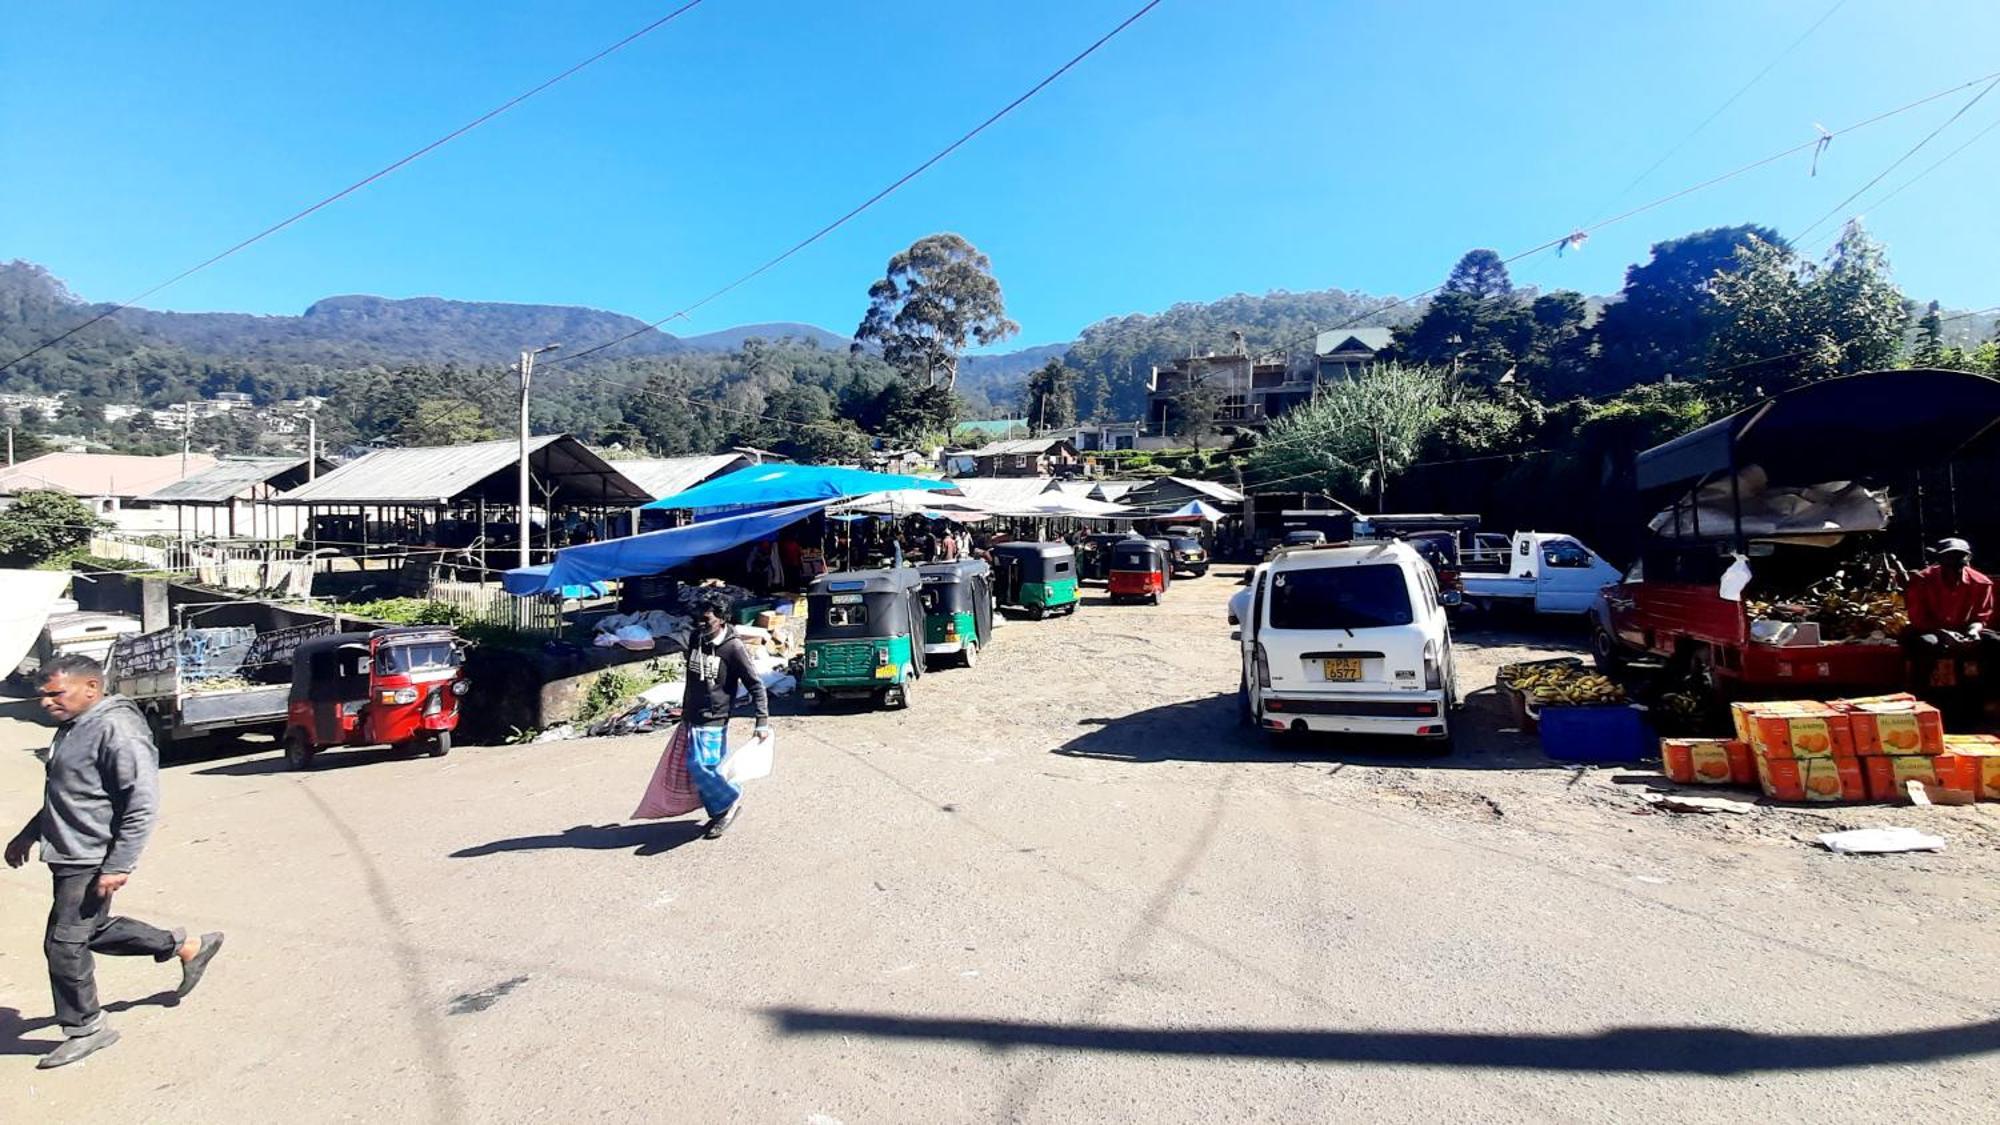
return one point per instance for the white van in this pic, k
(1350, 638)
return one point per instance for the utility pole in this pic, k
(312, 445)
(10, 447)
(527, 373)
(187, 434)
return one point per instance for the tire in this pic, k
(1156, 599)
(969, 655)
(1604, 651)
(1243, 716)
(902, 696)
(440, 745)
(1039, 613)
(299, 753)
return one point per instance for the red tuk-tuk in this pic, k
(1140, 568)
(396, 687)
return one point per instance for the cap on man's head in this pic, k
(1952, 547)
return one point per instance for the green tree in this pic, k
(1480, 274)
(1789, 322)
(445, 421)
(1930, 350)
(1354, 435)
(45, 526)
(1558, 359)
(1050, 397)
(936, 298)
(1666, 317)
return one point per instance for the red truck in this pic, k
(1781, 485)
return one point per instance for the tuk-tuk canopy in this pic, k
(864, 603)
(1139, 554)
(1034, 559)
(956, 570)
(1857, 427)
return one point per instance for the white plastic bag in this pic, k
(752, 760)
(1734, 580)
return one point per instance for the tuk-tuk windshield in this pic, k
(423, 656)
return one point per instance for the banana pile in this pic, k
(1564, 682)
(1862, 601)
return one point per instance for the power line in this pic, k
(360, 183)
(1896, 163)
(872, 200)
(1935, 165)
(1991, 79)
(1727, 102)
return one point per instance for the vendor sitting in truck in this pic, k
(1950, 607)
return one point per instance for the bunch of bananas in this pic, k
(1564, 682)
(1857, 602)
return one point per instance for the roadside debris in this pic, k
(1880, 841)
(1677, 803)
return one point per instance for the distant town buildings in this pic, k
(1250, 391)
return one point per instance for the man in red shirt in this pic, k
(1950, 607)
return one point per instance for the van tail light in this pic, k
(1433, 668)
(1263, 666)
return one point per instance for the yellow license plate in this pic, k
(1343, 669)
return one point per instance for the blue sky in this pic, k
(1216, 147)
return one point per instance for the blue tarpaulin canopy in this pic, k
(652, 552)
(1192, 510)
(764, 485)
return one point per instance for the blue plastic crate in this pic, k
(1597, 734)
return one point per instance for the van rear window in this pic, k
(1340, 597)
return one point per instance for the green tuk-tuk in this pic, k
(958, 608)
(1037, 577)
(861, 635)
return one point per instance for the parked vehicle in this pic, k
(397, 687)
(1440, 549)
(1306, 537)
(1188, 554)
(1546, 574)
(197, 682)
(1037, 577)
(1140, 570)
(958, 609)
(1785, 493)
(862, 630)
(1348, 638)
(80, 633)
(1094, 554)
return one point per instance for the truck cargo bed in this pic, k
(239, 708)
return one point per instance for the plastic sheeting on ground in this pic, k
(652, 552)
(764, 485)
(26, 599)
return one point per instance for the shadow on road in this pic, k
(1714, 1051)
(14, 1024)
(1206, 730)
(644, 839)
(329, 760)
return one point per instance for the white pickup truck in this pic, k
(1543, 572)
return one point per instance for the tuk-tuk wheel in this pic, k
(298, 751)
(969, 654)
(1039, 612)
(440, 744)
(898, 697)
(1156, 599)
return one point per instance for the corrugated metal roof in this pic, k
(1144, 494)
(1003, 493)
(100, 474)
(1113, 490)
(226, 481)
(1021, 445)
(438, 474)
(664, 476)
(1374, 339)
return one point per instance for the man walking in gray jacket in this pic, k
(98, 807)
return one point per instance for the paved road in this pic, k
(1064, 887)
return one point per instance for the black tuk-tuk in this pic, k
(1037, 577)
(958, 608)
(861, 635)
(1094, 553)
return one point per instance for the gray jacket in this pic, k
(103, 789)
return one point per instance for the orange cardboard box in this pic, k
(1708, 761)
(1981, 754)
(1801, 729)
(1896, 728)
(1865, 700)
(1889, 774)
(1814, 780)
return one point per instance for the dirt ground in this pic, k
(1064, 886)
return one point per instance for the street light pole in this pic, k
(312, 444)
(527, 373)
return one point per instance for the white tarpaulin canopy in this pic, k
(26, 597)
(1077, 507)
(1770, 511)
(911, 503)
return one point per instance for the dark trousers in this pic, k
(80, 924)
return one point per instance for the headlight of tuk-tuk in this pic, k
(400, 695)
(460, 687)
